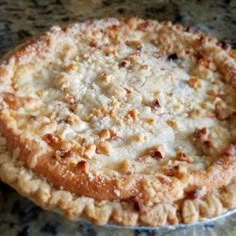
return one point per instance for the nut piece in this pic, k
(65, 146)
(104, 78)
(222, 111)
(203, 140)
(90, 151)
(73, 119)
(93, 43)
(172, 123)
(12, 101)
(71, 67)
(139, 138)
(103, 148)
(69, 99)
(135, 44)
(126, 167)
(62, 83)
(154, 152)
(104, 134)
(83, 166)
(51, 139)
(181, 156)
(195, 82)
(200, 134)
(127, 61)
(124, 63)
(150, 121)
(195, 113)
(155, 104)
(134, 114)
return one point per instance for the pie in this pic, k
(123, 121)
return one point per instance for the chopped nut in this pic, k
(65, 146)
(135, 44)
(102, 111)
(200, 134)
(143, 158)
(74, 107)
(15, 85)
(124, 63)
(204, 105)
(134, 114)
(180, 171)
(72, 67)
(150, 121)
(126, 167)
(140, 138)
(127, 61)
(12, 101)
(50, 139)
(129, 89)
(83, 166)
(63, 83)
(104, 78)
(209, 143)
(90, 151)
(195, 113)
(110, 50)
(93, 43)
(69, 99)
(53, 115)
(222, 111)
(73, 119)
(204, 61)
(144, 67)
(195, 82)
(181, 156)
(112, 113)
(105, 134)
(154, 152)
(81, 139)
(155, 103)
(113, 135)
(103, 148)
(172, 123)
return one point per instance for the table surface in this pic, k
(22, 19)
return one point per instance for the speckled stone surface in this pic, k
(22, 19)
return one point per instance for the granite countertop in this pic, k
(22, 19)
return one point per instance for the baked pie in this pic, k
(124, 121)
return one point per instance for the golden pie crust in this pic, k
(127, 121)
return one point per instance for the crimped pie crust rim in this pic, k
(26, 183)
(172, 210)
